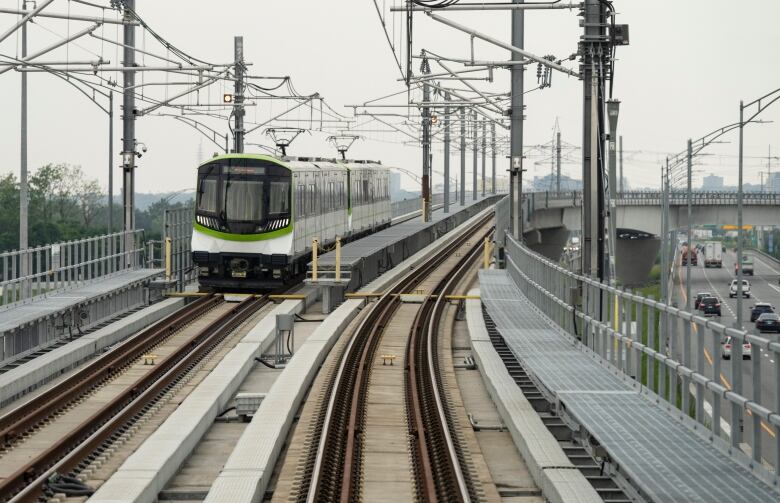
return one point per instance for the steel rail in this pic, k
(35, 410)
(336, 472)
(430, 421)
(27, 483)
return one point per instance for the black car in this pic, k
(710, 305)
(768, 322)
(759, 309)
(700, 296)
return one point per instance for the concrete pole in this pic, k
(128, 131)
(426, 153)
(462, 156)
(516, 126)
(736, 349)
(474, 149)
(447, 153)
(24, 264)
(594, 44)
(622, 182)
(687, 332)
(484, 154)
(238, 99)
(493, 153)
(558, 162)
(110, 162)
(613, 109)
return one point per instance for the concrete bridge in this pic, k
(550, 217)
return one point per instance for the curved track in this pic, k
(336, 474)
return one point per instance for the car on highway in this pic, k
(768, 322)
(745, 288)
(700, 296)
(710, 306)
(759, 309)
(725, 349)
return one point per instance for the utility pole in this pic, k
(736, 349)
(128, 128)
(474, 148)
(687, 333)
(516, 126)
(447, 153)
(613, 110)
(484, 154)
(493, 152)
(622, 183)
(463, 156)
(24, 264)
(594, 57)
(558, 162)
(426, 143)
(110, 162)
(238, 99)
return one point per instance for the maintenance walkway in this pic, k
(662, 457)
(39, 321)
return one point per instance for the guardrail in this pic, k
(398, 208)
(641, 337)
(177, 230)
(69, 264)
(541, 200)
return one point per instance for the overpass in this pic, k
(550, 217)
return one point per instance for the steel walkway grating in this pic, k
(666, 460)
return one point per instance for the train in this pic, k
(256, 215)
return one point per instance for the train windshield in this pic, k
(243, 196)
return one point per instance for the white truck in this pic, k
(713, 254)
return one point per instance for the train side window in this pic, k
(367, 191)
(299, 200)
(312, 199)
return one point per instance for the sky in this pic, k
(687, 67)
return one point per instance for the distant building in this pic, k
(395, 183)
(712, 183)
(773, 183)
(548, 183)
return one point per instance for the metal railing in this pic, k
(174, 252)
(69, 264)
(398, 208)
(541, 200)
(645, 339)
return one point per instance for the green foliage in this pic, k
(63, 205)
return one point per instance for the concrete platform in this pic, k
(28, 326)
(364, 260)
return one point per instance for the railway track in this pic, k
(436, 457)
(83, 413)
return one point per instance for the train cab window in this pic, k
(279, 198)
(243, 200)
(207, 197)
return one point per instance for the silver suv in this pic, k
(745, 288)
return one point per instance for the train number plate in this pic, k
(238, 274)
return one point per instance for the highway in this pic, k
(764, 288)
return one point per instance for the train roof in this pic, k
(306, 163)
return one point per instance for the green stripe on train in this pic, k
(227, 236)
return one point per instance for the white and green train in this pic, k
(256, 215)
